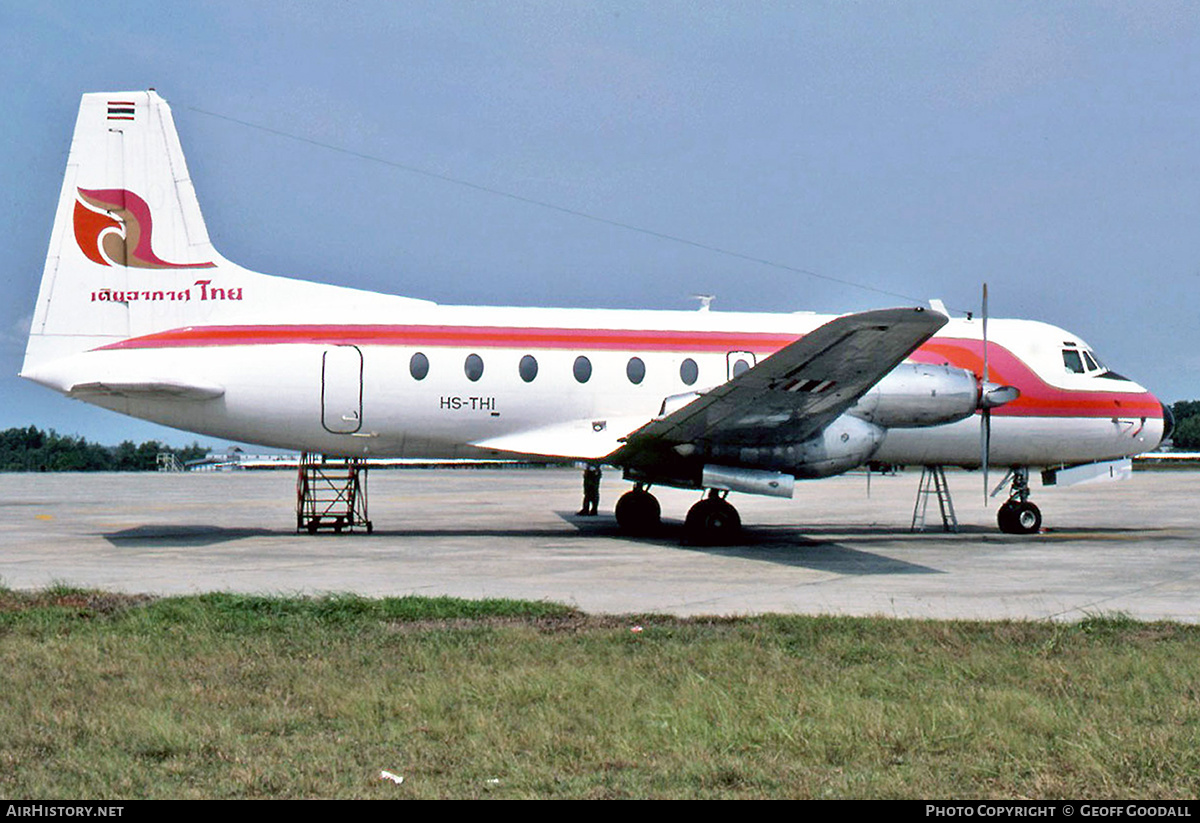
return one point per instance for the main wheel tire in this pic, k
(638, 512)
(1017, 517)
(712, 522)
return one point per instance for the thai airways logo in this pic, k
(113, 227)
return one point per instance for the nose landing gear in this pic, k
(1018, 515)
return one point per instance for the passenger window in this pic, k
(583, 369)
(1072, 361)
(418, 366)
(473, 366)
(740, 367)
(689, 371)
(528, 368)
(635, 370)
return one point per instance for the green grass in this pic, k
(105, 696)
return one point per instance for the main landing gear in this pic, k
(1018, 515)
(638, 512)
(712, 521)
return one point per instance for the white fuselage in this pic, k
(353, 388)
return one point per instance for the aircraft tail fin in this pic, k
(129, 253)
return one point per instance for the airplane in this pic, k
(138, 313)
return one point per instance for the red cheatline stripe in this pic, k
(460, 337)
(1038, 398)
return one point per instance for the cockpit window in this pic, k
(1072, 361)
(1085, 361)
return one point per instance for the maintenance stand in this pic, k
(331, 493)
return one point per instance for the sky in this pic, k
(825, 156)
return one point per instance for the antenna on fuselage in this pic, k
(705, 301)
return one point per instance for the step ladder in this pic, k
(933, 484)
(168, 462)
(331, 493)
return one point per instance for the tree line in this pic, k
(33, 450)
(1187, 425)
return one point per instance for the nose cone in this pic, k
(1168, 423)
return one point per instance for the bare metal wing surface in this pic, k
(797, 391)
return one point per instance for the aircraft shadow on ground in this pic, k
(172, 536)
(818, 556)
(206, 535)
(815, 547)
(783, 546)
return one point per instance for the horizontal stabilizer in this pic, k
(159, 389)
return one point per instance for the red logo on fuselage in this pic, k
(112, 228)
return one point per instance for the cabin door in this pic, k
(341, 389)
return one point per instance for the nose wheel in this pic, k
(1018, 515)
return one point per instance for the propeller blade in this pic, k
(985, 447)
(985, 417)
(985, 337)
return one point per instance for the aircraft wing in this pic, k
(798, 390)
(588, 439)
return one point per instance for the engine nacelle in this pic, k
(914, 395)
(845, 443)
